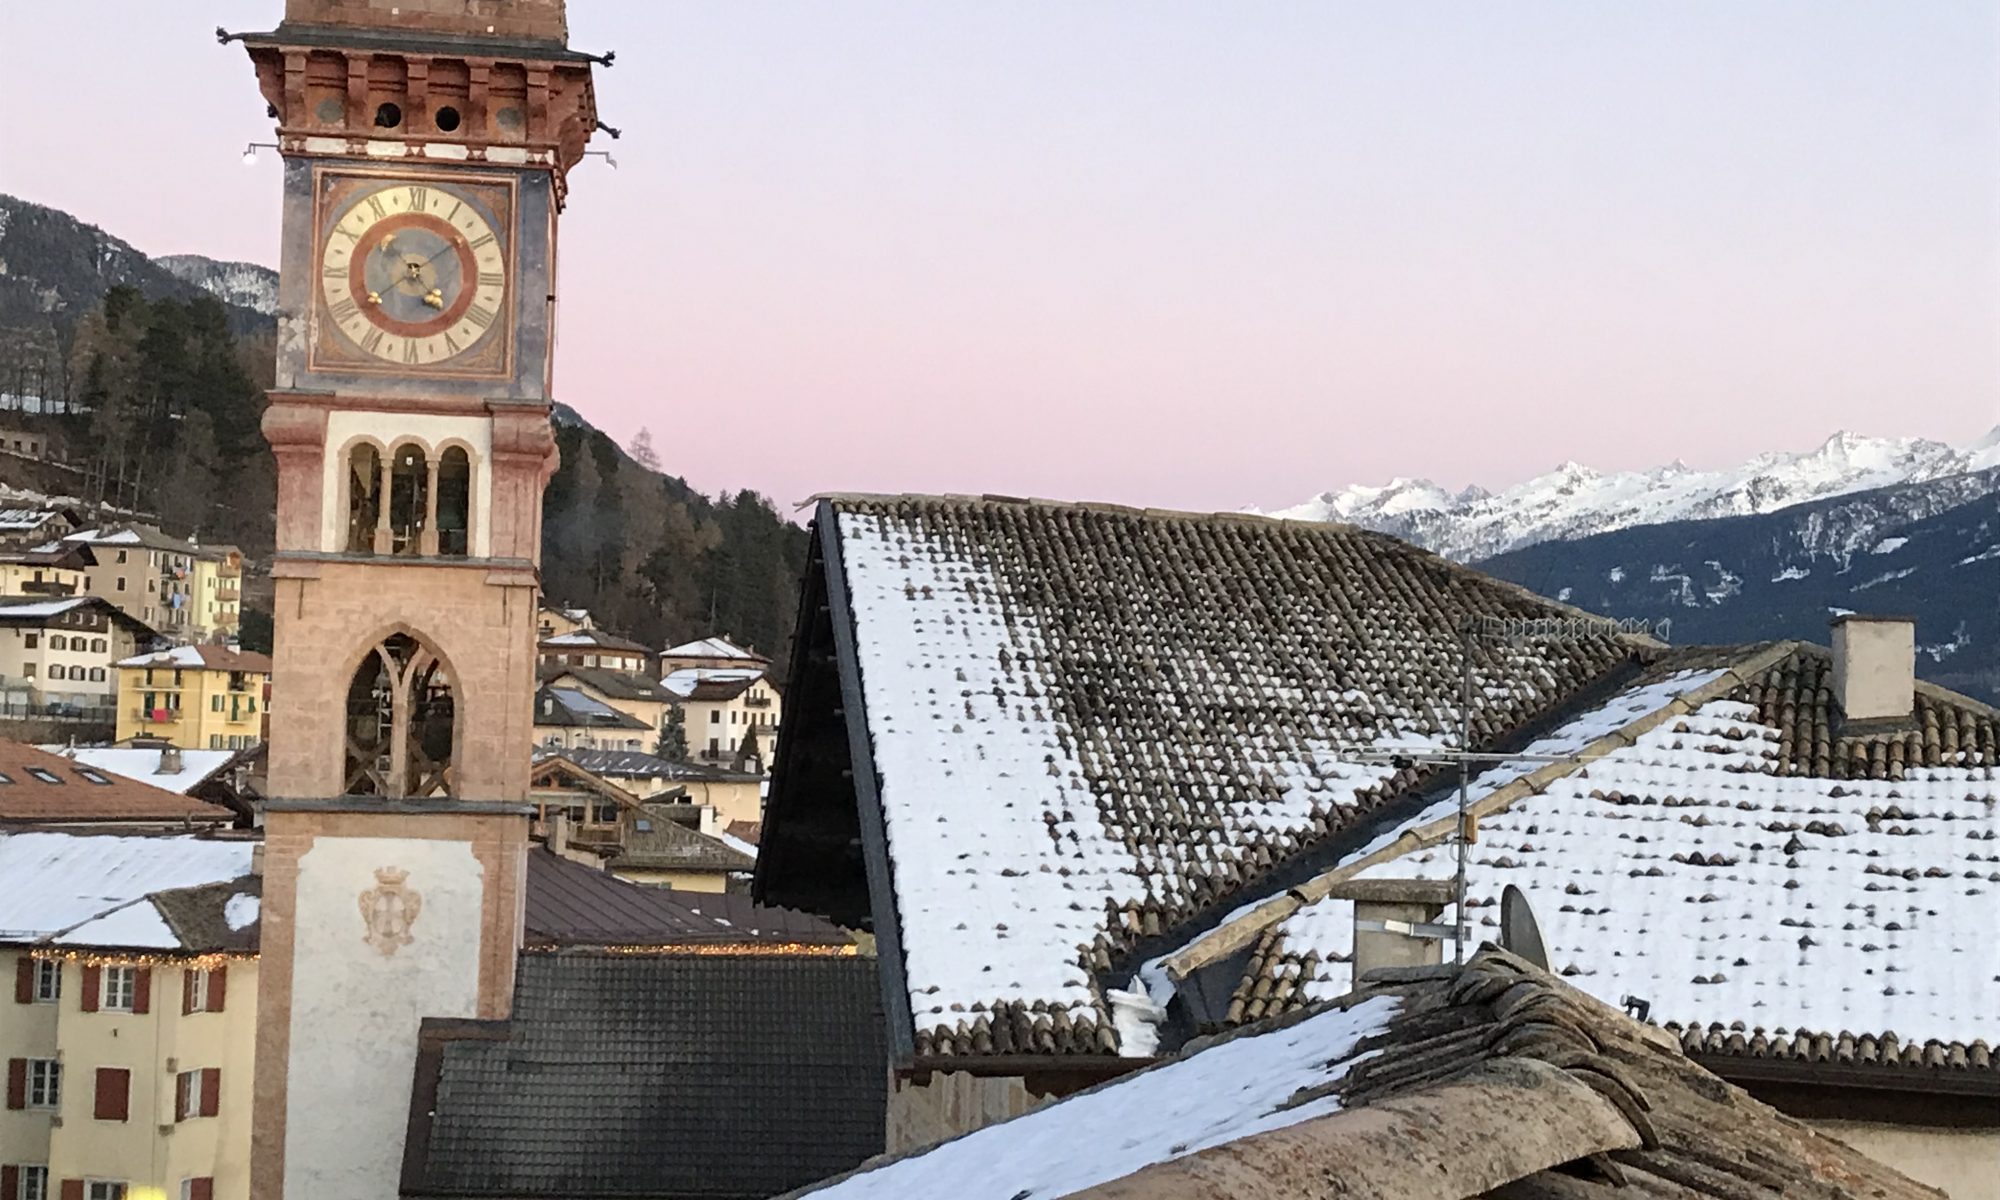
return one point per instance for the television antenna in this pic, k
(1520, 933)
(1471, 631)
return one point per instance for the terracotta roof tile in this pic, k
(37, 787)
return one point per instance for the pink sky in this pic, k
(1191, 255)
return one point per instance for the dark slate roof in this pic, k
(570, 904)
(670, 846)
(198, 917)
(723, 1077)
(1492, 1080)
(1093, 727)
(635, 764)
(558, 706)
(1780, 885)
(619, 685)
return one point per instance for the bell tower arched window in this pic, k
(409, 499)
(364, 498)
(401, 723)
(454, 502)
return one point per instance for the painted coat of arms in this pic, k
(389, 909)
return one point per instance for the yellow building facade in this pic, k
(195, 697)
(218, 591)
(130, 1072)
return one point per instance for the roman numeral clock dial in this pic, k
(413, 275)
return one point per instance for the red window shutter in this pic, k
(142, 989)
(10, 1182)
(72, 1189)
(114, 1094)
(17, 1083)
(202, 1188)
(187, 991)
(211, 1091)
(93, 984)
(24, 993)
(218, 984)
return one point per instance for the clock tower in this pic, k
(425, 146)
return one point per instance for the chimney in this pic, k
(1395, 921)
(170, 760)
(1875, 666)
(257, 859)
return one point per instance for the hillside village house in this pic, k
(25, 525)
(552, 619)
(28, 443)
(568, 719)
(195, 697)
(218, 592)
(594, 648)
(60, 652)
(711, 654)
(1098, 789)
(636, 695)
(146, 573)
(666, 844)
(50, 569)
(735, 797)
(731, 715)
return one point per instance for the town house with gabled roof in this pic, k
(1045, 752)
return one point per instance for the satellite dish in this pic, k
(1519, 934)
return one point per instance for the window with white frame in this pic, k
(197, 991)
(33, 1185)
(105, 1189)
(48, 981)
(121, 984)
(187, 1101)
(44, 1083)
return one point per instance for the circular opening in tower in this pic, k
(388, 116)
(447, 118)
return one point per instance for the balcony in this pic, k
(47, 587)
(757, 702)
(228, 591)
(156, 716)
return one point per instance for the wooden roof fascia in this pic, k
(867, 796)
(1235, 935)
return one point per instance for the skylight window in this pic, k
(93, 777)
(5, 778)
(45, 776)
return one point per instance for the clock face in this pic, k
(413, 274)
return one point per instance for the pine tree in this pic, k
(673, 739)
(641, 450)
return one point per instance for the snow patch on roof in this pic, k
(241, 910)
(137, 924)
(56, 881)
(142, 764)
(711, 647)
(1233, 1090)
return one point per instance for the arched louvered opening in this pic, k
(401, 723)
(454, 502)
(364, 498)
(409, 499)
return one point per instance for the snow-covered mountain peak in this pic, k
(1575, 500)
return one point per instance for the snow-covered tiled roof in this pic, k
(58, 881)
(711, 683)
(42, 609)
(219, 658)
(712, 647)
(1237, 1089)
(1709, 869)
(1092, 725)
(136, 924)
(142, 763)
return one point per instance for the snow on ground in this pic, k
(1232, 1090)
